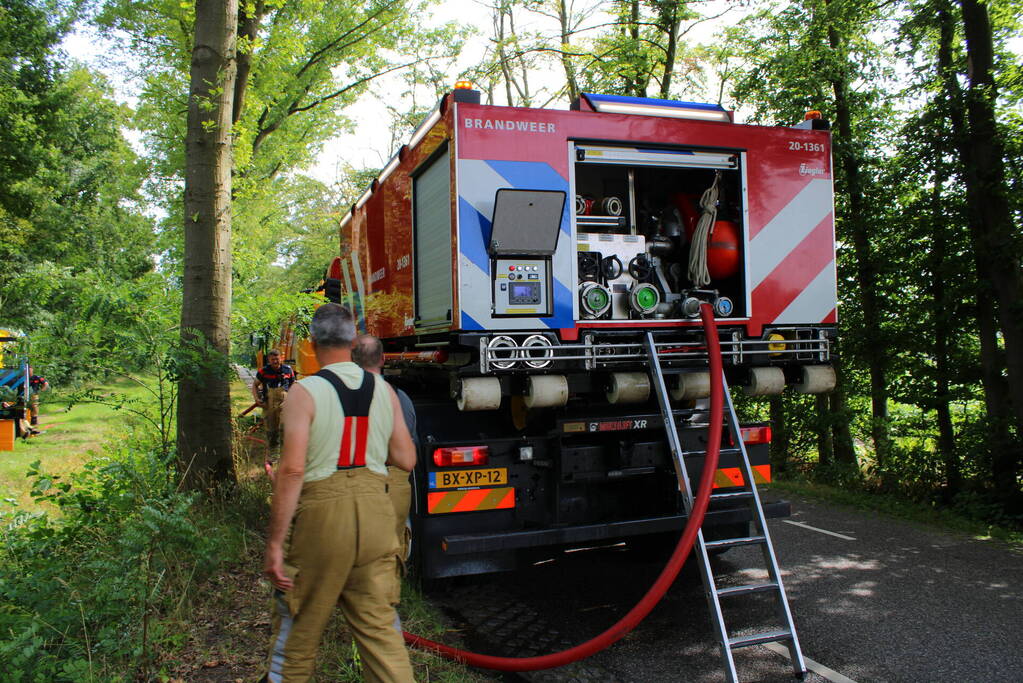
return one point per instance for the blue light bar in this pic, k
(621, 104)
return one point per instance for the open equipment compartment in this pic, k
(637, 211)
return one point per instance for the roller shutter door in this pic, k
(431, 194)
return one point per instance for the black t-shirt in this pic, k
(272, 378)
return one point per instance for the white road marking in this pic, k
(813, 528)
(813, 666)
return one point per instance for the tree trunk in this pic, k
(866, 268)
(780, 442)
(571, 79)
(1006, 452)
(500, 11)
(204, 403)
(632, 86)
(670, 24)
(825, 440)
(248, 29)
(992, 367)
(940, 328)
(841, 435)
(996, 242)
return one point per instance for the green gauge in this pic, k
(595, 299)
(645, 298)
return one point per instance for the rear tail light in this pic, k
(754, 435)
(461, 456)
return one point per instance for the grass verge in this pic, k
(71, 435)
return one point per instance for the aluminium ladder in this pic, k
(761, 537)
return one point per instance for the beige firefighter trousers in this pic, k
(342, 551)
(400, 490)
(272, 415)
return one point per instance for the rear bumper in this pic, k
(464, 544)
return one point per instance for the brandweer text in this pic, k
(521, 126)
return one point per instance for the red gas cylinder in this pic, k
(723, 250)
(688, 206)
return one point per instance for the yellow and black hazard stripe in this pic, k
(440, 502)
(732, 476)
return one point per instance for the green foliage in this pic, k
(301, 63)
(263, 316)
(643, 52)
(93, 325)
(91, 591)
(72, 223)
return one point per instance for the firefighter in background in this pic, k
(368, 354)
(36, 384)
(269, 388)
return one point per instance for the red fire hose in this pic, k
(668, 574)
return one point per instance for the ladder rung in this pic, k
(733, 542)
(731, 496)
(759, 638)
(749, 588)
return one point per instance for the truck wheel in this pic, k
(414, 560)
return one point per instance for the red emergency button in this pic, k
(511, 267)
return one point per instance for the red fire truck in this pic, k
(513, 259)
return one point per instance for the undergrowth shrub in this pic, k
(93, 586)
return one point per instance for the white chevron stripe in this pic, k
(815, 301)
(789, 228)
(478, 184)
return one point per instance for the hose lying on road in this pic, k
(667, 575)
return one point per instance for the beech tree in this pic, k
(266, 88)
(819, 54)
(204, 399)
(997, 244)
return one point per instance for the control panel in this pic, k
(522, 286)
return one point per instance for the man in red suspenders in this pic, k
(342, 428)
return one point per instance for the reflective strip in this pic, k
(440, 502)
(732, 476)
(789, 227)
(276, 673)
(363, 292)
(361, 430)
(658, 157)
(347, 455)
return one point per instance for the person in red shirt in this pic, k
(269, 388)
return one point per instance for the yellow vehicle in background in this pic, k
(14, 385)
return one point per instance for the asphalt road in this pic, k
(875, 599)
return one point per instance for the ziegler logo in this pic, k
(810, 170)
(508, 124)
(617, 425)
